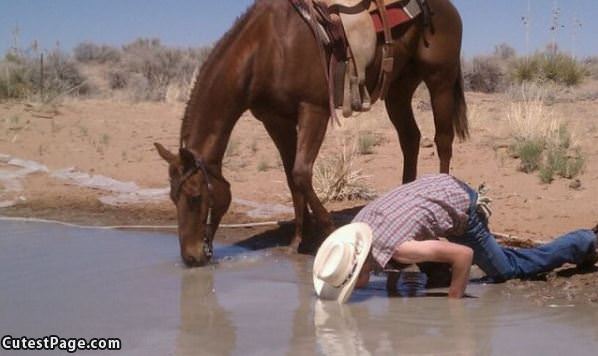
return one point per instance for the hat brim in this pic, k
(352, 233)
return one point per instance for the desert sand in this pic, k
(114, 139)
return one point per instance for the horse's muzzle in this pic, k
(196, 261)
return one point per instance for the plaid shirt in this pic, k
(431, 207)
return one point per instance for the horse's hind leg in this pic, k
(398, 106)
(444, 107)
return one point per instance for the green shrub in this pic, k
(525, 70)
(546, 174)
(556, 67)
(530, 154)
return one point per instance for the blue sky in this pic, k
(195, 22)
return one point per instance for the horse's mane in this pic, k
(214, 55)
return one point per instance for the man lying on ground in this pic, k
(405, 226)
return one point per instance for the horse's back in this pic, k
(288, 66)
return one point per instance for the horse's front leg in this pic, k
(284, 134)
(311, 129)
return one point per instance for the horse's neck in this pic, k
(214, 110)
(211, 128)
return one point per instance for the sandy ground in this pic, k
(114, 139)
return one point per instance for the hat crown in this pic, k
(338, 264)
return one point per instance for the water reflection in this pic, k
(390, 326)
(205, 327)
(337, 331)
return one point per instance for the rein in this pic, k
(198, 166)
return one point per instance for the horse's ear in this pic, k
(187, 158)
(165, 154)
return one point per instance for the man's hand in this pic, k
(458, 256)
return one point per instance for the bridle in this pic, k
(199, 166)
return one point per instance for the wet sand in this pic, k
(76, 282)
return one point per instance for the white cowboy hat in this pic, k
(339, 261)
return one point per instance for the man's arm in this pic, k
(458, 256)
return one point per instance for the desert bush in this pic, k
(335, 178)
(118, 78)
(541, 141)
(484, 75)
(504, 51)
(16, 78)
(160, 66)
(562, 68)
(591, 65)
(63, 75)
(87, 52)
(21, 76)
(525, 70)
(550, 66)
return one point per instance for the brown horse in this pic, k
(269, 63)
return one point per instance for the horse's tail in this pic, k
(460, 123)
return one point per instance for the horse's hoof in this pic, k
(293, 247)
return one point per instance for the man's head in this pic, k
(340, 260)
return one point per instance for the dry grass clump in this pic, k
(335, 178)
(541, 141)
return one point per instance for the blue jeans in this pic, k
(503, 263)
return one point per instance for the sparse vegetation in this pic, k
(553, 67)
(105, 139)
(529, 153)
(335, 178)
(21, 76)
(144, 69)
(366, 142)
(88, 52)
(485, 74)
(541, 141)
(263, 165)
(496, 72)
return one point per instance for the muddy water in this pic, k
(90, 283)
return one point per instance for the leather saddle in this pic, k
(347, 33)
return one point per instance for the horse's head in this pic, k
(201, 197)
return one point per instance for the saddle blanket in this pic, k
(397, 14)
